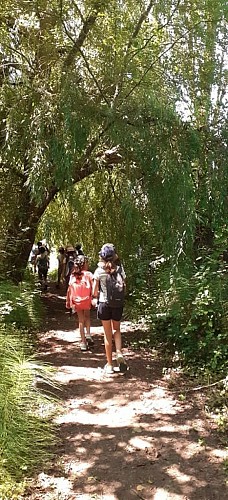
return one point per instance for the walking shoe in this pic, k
(83, 346)
(90, 340)
(108, 369)
(121, 363)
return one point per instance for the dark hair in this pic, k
(110, 267)
(80, 260)
(61, 250)
(42, 249)
(79, 263)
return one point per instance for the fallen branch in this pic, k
(207, 386)
(199, 388)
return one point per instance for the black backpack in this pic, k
(69, 265)
(43, 263)
(115, 288)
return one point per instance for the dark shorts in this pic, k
(105, 313)
(42, 274)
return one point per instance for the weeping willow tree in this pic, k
(132, 205)
(69, 97)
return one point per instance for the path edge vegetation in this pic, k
(32, 446)
(27, 434)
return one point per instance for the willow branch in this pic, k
(86, 166)
(139, 24)
(87, 65)
(170, 46)
(86, 28)
(78, 11)
(20, 54)
(158, 29)
(130, 42)
(93, 77)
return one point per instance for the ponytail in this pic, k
(110, 267)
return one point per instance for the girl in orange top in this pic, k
(79, 298)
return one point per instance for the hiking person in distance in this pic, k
(108, 294)
(41, 244)
(79, 297)
(78, 249)
(42, 263)
(70, 256)
(32, 258)
(61, 265)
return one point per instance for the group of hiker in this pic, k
(66, 257)
(104, 289)
(39, 261)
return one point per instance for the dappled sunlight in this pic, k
(139, 443)
(125, 436)
(174, 472)
(163, 494)
(168, 428)
(71, 373)
(66, 335)
(219, 453)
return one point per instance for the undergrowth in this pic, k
(27, 437)
(20, 305)
(185, 316)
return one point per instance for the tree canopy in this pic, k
(136, 89)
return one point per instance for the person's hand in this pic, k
(94, 302)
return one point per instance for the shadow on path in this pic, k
(123, 437)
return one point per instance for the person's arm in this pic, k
(36, 262)
(95, 292)
(68, 298)
(123, 276)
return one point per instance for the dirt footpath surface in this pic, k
(124, 437)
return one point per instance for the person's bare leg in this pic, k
(87, 322)
(59, 276)
(107, 325)
(81, 323)
(117, 335)
(118, 343)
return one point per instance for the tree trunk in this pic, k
(21, 235)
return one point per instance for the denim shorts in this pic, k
(105, 312)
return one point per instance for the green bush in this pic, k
(20, 304)
(187, 311)
(26, 435)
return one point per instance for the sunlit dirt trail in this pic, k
(127, 436)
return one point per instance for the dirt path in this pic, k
(126, 436)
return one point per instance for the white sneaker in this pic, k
(121, 363)
(108, 369)
(83, 346)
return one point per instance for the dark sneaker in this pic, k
(90, 340)
(121, 363)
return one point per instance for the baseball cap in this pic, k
(70, 248)
(107, 251)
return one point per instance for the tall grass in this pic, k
(26, 435)
(20, 305)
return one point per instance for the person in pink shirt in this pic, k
(79, 298)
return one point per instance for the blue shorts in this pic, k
(105, 312)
